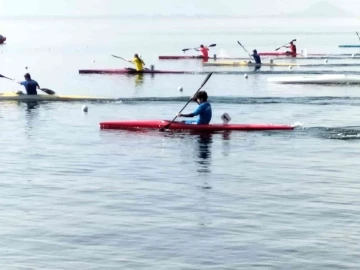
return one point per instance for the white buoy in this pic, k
(325, 61)
(290, 67)
(26, 67)
(93, 61)
(85, 108)
(353, 55)
(180, 88)
(246, 76)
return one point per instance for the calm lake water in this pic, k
(76, 197)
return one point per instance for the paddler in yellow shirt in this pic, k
(139, 63)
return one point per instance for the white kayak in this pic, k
(43, 97)
(317, 79)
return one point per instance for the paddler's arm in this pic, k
(195, 113)
(186, 115)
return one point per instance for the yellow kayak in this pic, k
(245, 63)
(42, 97)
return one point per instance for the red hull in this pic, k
(193, 57)
(157, 124)
(126, 71)
(174, 57)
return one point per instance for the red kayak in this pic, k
(2, 39)
(199, 57)
(157, 124)
(127, 71)
(174, 57)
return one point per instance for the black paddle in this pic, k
(245, 50)
(126, 60)
(47, 91)
(122, 58)
(184, 50)
(284, 45)
(205, 81)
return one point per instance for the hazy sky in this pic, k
(165, 7)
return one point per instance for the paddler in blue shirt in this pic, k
(257, 59)
(203, 111)
(30, 85)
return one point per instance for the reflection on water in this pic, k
(31, 116)
(204, 142)
(30, 105)
(139, 80)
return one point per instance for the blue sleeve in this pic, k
(198, 110)
(23, 83)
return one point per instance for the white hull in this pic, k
(317, 79)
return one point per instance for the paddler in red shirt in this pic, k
(292, 49)
(205, 52)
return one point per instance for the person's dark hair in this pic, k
(254, 51)
(27, 76)
(136, 55)
(202, 95)
(201, 46)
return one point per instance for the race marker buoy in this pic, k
(180, 88)
(85, 108)
(226, 118)
(290, 67)
(246, 76)
(353, 55)
(325, 61)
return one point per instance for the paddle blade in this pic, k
(48, 91)
(212, 45)
(2, 76)
(184, 50)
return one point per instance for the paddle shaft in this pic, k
(245, 50)
(202, 85)
(284, 45)
(125, 59)
(211, 45)
(122, 58)
(358, 35)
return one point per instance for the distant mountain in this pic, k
(321, 9)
